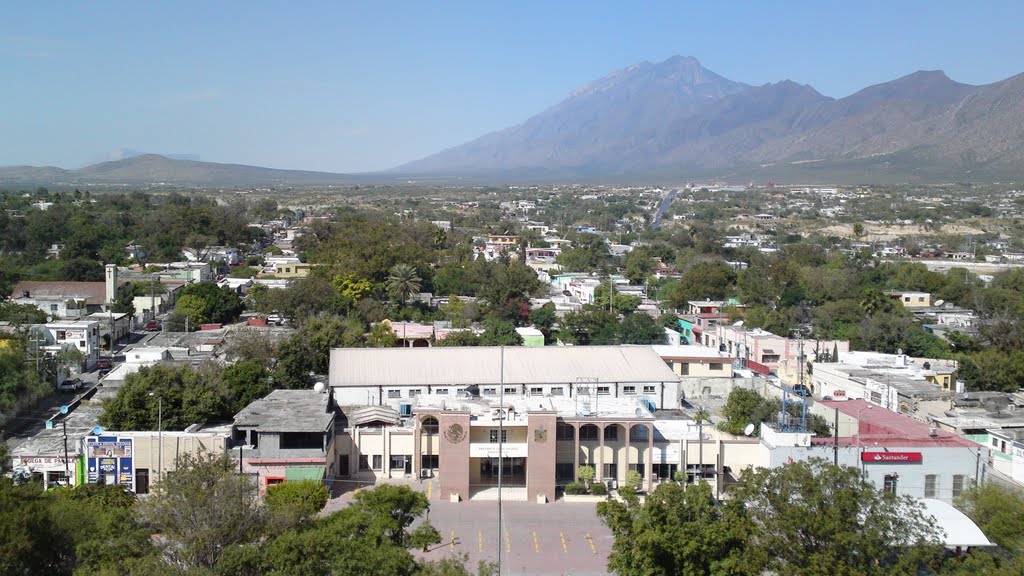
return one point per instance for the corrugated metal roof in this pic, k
(482, 365)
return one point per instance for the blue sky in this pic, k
(350, 87)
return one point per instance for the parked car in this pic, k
(152, 326)
(70, 385)
(801, 390)
(103, 364)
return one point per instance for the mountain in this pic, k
(153, 169)
(676, 118)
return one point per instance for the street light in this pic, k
(160, 435)
(859, 447)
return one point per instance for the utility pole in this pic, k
(67, 466)
(501, 430)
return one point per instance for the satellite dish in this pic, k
(639, 412)
(748, 430)
(64, 409)
(738, 323)
(940, 302)
(97, 430)
(319, 387)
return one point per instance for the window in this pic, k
(378, 461)
(494, 436)
(430, 425)
(664, 471)
(511, 390)
(399, 462)
(564, 432)
(536, 391)
(958, 484)
(609, 471)
(639, 468)
(637, 433)
(364, 462)
(603, 390)
(429, 461)
(995, 442)
(460, 391)
(53, 307)
(648, 389)
(588, 432)
(557, 391)
(490, 391)
(929, 485)
(891, 483)
(394, 393)
(414, 393)
(611, 433)
(274, 481)
(564, 471)
(716, 366)
(61, 335)
(441, 391)
(629, 390)
(906, 298)
(302, 441)
(876, 397)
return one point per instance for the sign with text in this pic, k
(886, 457)
(508, 450)
(109, 458)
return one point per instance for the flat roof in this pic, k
(287, 411)
(458, 366)
(877, 425)
(691, 352)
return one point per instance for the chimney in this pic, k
(111, 291)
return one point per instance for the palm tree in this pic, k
(402, 281)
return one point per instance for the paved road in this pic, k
(542, 539)
(656, 221)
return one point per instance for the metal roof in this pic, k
(457, 366)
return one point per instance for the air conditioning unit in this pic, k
(612, 484)
(426, 473)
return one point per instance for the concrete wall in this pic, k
(540, 461)
(454, 453)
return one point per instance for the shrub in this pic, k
(575, 488)
(598, 489)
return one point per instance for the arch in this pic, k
(639, 432)
(615, 433)
(430, 425)
(590, 433)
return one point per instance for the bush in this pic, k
(598, 489)
(575, 488)
(294, 503)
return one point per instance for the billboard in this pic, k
(110, 458)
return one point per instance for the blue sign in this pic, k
(110, 459)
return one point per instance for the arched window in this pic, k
(430, 425)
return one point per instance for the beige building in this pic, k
(911, 299)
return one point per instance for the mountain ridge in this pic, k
(678, 117)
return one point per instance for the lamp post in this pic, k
(859, 446)
(160, 435)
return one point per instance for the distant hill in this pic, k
(678, 119)
(153, 169)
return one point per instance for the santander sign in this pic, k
(884, 457)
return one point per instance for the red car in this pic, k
(152, 326)
(103, 364)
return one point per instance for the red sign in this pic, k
(839, 394)
(885, 457)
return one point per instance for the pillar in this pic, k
(649, 462)
(599, 473)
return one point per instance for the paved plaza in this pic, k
(543, 539)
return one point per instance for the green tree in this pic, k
(204, 508)
(382, 336)
(679, 529)
(586, 475)
(813, 518)
(704, 280)
(499, 333)
(459, 338)
(185, 395)
(403, 280)
(639, 265)
(640, 328)
(205, 302)
(292, 504)
(544, 319)
(997, 510)
(246, 382)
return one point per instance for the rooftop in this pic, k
(93, 292)
(288, 411)
(878, 426)
(459, 366)
(685, 352)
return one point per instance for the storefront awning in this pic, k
(300, 473)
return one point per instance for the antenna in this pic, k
(748, 430)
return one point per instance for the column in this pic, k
(629, 430)
(576, 449)
(600, 455)
(649, 462)
(417, 449)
